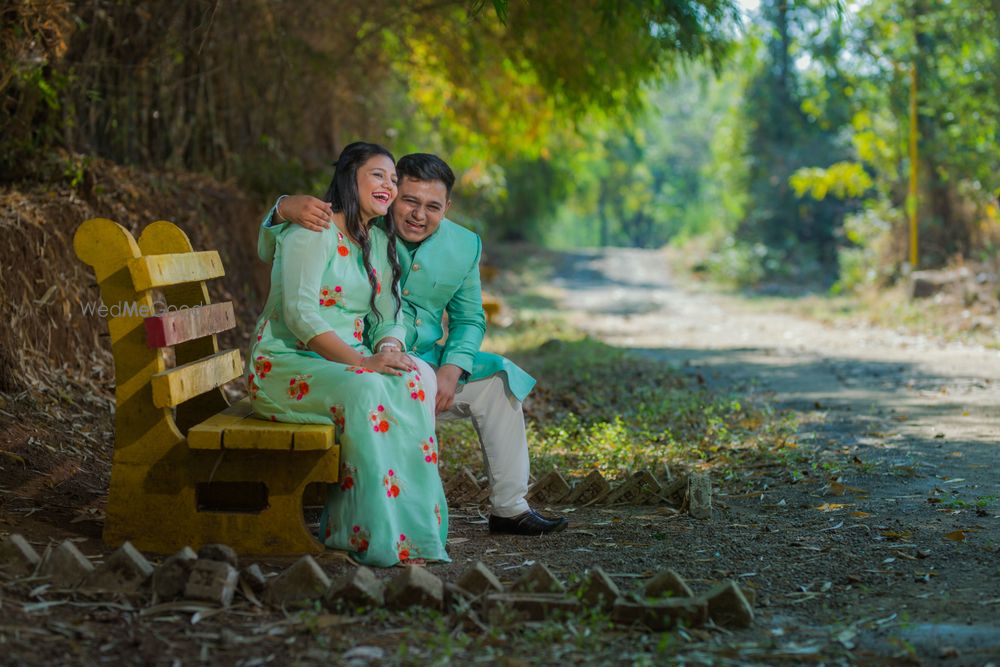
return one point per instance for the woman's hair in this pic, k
(343, 196)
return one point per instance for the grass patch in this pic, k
(617, 411)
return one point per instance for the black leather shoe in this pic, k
(529, 523)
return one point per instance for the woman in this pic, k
(310, 365)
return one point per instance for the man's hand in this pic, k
(305, 210)
(447, 379)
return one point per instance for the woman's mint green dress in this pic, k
(389, 504)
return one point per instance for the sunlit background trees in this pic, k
(779, 134)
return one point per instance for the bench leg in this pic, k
(156, 507)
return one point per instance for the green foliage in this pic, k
(785, 137)
(268, 93)
(954, 50)
(739, 264)
(823, 164)
(868, 233)
(844, 180)
(657, 174)
(583, 417)
(602, 122)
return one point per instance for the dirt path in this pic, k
(907, 432)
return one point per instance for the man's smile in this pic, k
(414, 225)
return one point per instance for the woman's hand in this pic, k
(390, 362)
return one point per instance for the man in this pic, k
(440, 274)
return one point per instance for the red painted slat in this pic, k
(187, 324)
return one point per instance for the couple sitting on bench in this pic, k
(349, 336)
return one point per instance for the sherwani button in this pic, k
(417, 322)
(406, 292)
(416, 267)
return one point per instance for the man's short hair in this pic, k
(426, 167)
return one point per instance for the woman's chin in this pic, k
(374, 212)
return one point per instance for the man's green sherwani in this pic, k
(441, 275)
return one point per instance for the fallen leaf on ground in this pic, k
(831, 507)
(956, 536)
(838, 489)
(860, 515)
(896, 534)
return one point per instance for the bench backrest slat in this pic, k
(187, 324)
(182, 383)
(153, 271)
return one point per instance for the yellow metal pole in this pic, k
(911, 198)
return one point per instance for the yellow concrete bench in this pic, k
(188, 468)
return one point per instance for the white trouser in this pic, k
(499, 422)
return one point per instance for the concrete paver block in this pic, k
(212, 581)
(304, 581)
(17, 557)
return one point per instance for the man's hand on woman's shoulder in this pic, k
(305, 210)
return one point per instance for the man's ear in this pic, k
(447, 205)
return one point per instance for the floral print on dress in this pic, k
(416, 388)
(342, 248)
(393, 485)
(429, 449)
(381, 420)
(437, 512)
(358, 370)
(378, 283)
(359, 328)
(252, 387)
(260, 330)
(405, 548)
(337, 414)
(298, 387)
(360, 537)
(348, 473)
(331, 296)
(262, 366)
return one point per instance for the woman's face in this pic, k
(376, 186)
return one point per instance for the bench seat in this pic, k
(237, 428)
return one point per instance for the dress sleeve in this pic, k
(304, 257)
(466, 320)
(268, 234)
(392, 321)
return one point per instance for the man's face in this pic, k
(419, 208)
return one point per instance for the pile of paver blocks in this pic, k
(211, 576)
